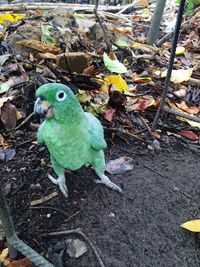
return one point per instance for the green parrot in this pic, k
(73, 137)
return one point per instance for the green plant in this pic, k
(190, 5)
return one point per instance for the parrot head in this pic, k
(56, 101)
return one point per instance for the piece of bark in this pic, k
(73, 61)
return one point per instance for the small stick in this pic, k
(106, 39)
(171, 62)
(127, 7)
(152, 169)
(45, 6)
(44, 199)
(25, 121)
(146, 126)
(123, 132)
(79, 232)
(181, 114)
(58, 210)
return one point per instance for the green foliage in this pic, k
(190, 5)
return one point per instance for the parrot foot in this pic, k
(61, 183)
(105, 180)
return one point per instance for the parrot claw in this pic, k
(61, 183)
(105, 180)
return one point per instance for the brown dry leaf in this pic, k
(5, 99)
(89, 70)
(140, 104)
(47, 55)
(190, 110)
(173, 134)
(109, 114)
(2, 142)
(39, 46)
(19, 263)
(144, 3)
(9, 116)
(189, 134)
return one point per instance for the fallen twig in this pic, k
(47, 6)
(58, 210)
(155, 171)
(106, 39)
(44, 199)
(181, 114)
(127, 7)
(79, 232)
(123, 132)
(25, 121)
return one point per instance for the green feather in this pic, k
(73, 137)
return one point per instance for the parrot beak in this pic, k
(43, 108)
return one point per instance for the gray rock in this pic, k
(75, 248)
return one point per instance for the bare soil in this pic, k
(140, 228)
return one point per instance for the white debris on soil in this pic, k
(75, 248)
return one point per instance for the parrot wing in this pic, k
(40, 133)
(96, 132)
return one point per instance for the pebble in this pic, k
(75, 248)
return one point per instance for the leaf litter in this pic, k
(119, 86)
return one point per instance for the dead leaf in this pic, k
(73, 61)
(190, 110)
(117, 80)
(1, 140)
(193, 225)
(9, 116)
(5, 99)
(180, 50)
(109, 114)
(25, 262)
(144, 3)
(39, 46)
(47, 55)
(189, 134)
(120, 165)
(12, 81)
(140, 104)
(3, 255)
(178, 76)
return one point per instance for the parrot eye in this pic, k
(61, 96)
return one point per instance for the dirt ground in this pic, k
(140, 228)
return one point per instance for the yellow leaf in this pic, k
(180, 50)
(3, 255)
(191, 123)
(117, 81)
(136, 45)
(144, 3)
(10, 17)
(179, 76)
(193, 226)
